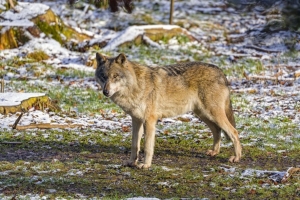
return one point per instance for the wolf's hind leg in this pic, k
(216, 131)
(223, 122)
(137, 132)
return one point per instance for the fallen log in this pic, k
(270, 78)
(134, 35)
(262, 49)
(22, 102)
(48, 126)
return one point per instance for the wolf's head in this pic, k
(112, 73)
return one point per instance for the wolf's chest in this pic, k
(132, 107)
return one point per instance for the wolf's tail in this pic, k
(230, 115)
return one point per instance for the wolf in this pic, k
(151, 93)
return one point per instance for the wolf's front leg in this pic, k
(149, 127)
(137, 132)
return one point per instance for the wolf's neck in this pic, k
(130, 102)
(138, 89)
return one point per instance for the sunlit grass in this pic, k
(83, 163)
(88, 163)
(38, 55)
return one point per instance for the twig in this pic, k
(262, 49)
(245, 75)
(269, 78)
(10, 142)
(246, 90)
(48, 126)
(17, 121)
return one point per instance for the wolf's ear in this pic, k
(100, 58)
(121, 58)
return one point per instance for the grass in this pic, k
(86, 163)
(90, 101)
(69, 165)
(148, 56)
(38, 55)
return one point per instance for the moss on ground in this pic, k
(38, 55)
(87, 162)
(69, 164)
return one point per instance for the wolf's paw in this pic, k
(129, 163)
(144, 166)
(234, 159)
(211, 153)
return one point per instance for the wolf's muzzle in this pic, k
(105, 90)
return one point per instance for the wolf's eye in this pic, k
(115, 75)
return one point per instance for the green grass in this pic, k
(68, 163)
(38, 55)
(89, 101)
(143, 53)
(86, 163)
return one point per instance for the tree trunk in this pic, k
(171, 11)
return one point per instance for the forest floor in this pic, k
(85, 162)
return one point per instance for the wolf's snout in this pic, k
(106, 92)
(105, 89)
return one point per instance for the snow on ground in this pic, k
(60, 56)
(97, 122)
(25, 11)
(263, 100)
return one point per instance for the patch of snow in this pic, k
(166, 168)
(5, 173)
(51, 191)
(26, 11)
(60, 56)
(273, 175)
(114, 166)
(74, 172)
(20, 22)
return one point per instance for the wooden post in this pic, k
(2, 86)
(171, 12)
